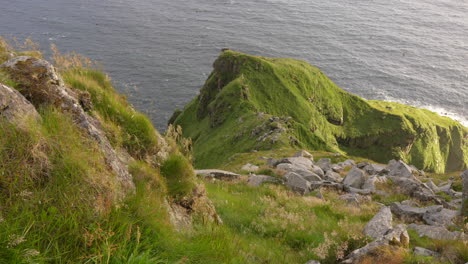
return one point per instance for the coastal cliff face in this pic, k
(254, 103)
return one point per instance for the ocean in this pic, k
(159, 53)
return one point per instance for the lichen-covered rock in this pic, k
(355, 178)
(14, 107)
(379, 224)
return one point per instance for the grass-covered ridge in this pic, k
(258, 103)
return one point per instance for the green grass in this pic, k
(125, 126)
(315, 114)
(179, 175)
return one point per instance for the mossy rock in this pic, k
(243, 92)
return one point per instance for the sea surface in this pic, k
(159, 52)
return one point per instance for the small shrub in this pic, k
(179, 175)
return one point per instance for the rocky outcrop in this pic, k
(14, 107)
(197, 205)
(39, 82)
(396, 237)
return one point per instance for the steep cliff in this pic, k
(253, 103)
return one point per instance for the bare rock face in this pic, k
(379, 224)
(14, 107)
(40, 83)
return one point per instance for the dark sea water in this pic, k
(160, 52)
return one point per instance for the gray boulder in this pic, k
(257, 180)
(337, 168)
(397, 236)
(412, 214)
(436, 232)
(347, 163)
(355, 178)
(218, 174)
(313, 262)
(354, 198)
(379, 224)
(14, 107)
(374, 169)
(332, 176)
(399, 169)
(464, 206)
(297, 183)
(317, 170)
(306, 174)
(325, 164)
(369, 184)
(439, 216)
(419, 251)
(250, 167)
(432, 186)
(446, 187)
(414, 188)
(303, 162)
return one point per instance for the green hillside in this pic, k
(254, 103)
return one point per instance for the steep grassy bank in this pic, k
(257, 103)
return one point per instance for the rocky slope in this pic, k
(77, 161)
(402, 193)
(256, 103)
